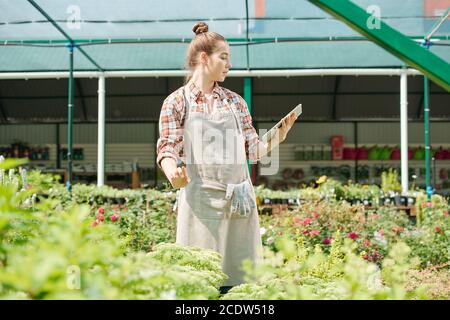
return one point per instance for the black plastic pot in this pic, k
(356, 201)
(411, 201)
(400, 200)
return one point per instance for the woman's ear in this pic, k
(203, 57)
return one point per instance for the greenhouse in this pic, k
(354, 196)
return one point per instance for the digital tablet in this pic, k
(269, 134)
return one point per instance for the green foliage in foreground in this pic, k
(295, 272)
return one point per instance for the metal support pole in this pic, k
(426, 111)
(355, 138)
(101, 132)
(404, 131)
(70, 120)
(58, 147)
(248, 100)
(426, 98)
(433, 160)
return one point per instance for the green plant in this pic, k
(295, 272)
(390, 181)
(435, 280)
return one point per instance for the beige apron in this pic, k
(204, 218)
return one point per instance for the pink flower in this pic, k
(306, 232)
(381, 232)
(376, 255)
(367, 243)
(326, 241)
(297, 220)
(398, 230)
(101, 210)
(95, 223)
(438, 229)
(114, 217)
(353, 235)
(306, 221)
(100, 217)
(314, 233)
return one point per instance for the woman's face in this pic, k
(218, 63)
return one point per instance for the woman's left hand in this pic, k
(286, 125)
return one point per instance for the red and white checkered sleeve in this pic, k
(170, 141)
(250, 134)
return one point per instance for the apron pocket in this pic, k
(210, 201)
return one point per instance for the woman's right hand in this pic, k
(179, 178)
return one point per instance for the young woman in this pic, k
(209, 130)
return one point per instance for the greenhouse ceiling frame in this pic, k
(437, 73)
(101, 100)
(432, 67)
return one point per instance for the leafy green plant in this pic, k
(294, 272)
(390, 181)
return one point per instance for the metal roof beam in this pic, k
(232, 73)
(389, 39)
(83, 102)
(337, 81)
(3, 113)
(72, 42)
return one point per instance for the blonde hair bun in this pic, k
(200, 27)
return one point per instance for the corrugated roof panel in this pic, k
(271, 107)
(173, 19)
(350, 106)
(293, 85)
(43, 109)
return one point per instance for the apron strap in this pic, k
(239, 125)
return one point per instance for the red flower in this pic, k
(306, 221)
(326, 241)
(306, 232)
(314, 233)
(353, 235)
(100, 217)
(366, 257)
(101, 210)
(398, 230)
(114, 217)
(95, 223)
(438, 229)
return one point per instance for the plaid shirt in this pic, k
(171, 120)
